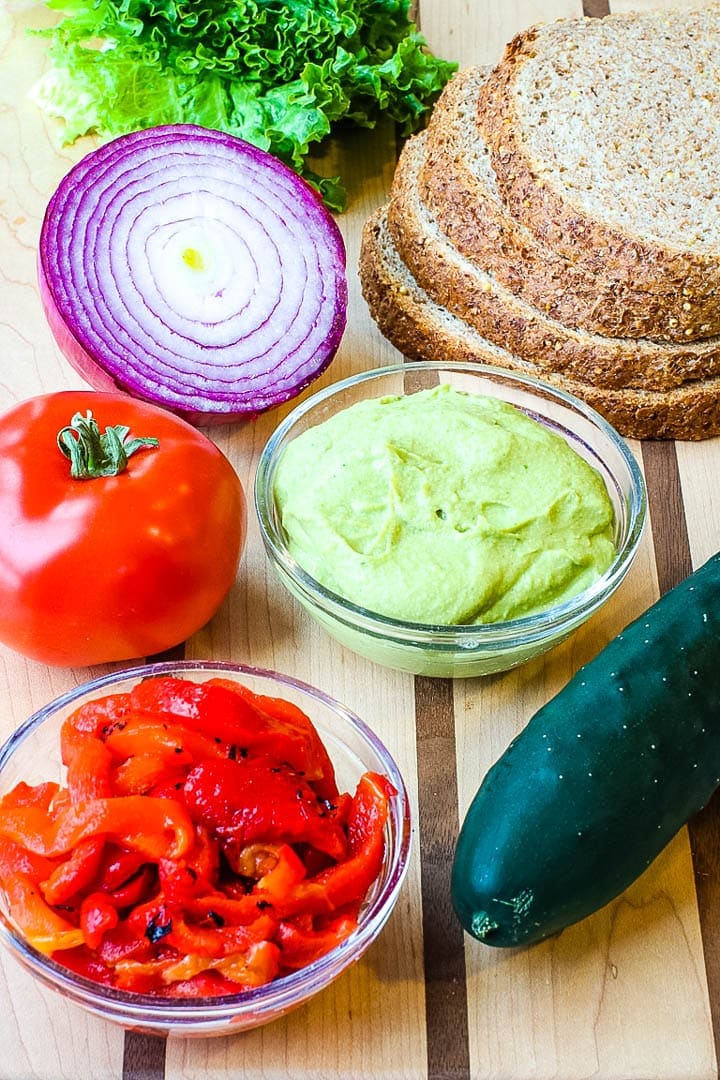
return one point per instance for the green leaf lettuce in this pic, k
(280, 75)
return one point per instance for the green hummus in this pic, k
(443, 507)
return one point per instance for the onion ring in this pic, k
(188, 268)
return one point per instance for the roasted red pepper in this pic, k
(97, 915)
(318, 766)
(16, 857)
(222, 710)
(156, 827)
(200, 845)
(44, 927)
(98, 717)
(119, 866)
(88, 763)
(75, 873)
(343, 882)
(302, 943)
(174, 743)
(42, 796)
(261, 798)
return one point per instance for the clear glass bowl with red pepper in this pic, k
(196, 848)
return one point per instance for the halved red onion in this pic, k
(188, 268)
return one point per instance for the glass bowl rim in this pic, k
(526, 628)
(278, 995)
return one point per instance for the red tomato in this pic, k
(114, 567)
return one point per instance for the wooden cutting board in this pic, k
(633, 992)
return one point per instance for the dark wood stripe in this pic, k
(596, 9)
(667, 513)
(674, 563)
(446, 1015)
(144, 1057)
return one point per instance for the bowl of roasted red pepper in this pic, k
(195, 848)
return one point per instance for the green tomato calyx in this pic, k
(93, 453)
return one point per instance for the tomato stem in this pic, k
(93, 453)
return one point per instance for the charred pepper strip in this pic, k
(97, 915)
(44, 928)
(258, 799)
(169, 741)
(144, 773)
(15, 857)
(75, 873)
(303, 944)
(346, 881)
(88, 770)
(319, 767)
(97, 717)
(156, 827)
(42, 796)
(222, 713)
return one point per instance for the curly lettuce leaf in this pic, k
(280, 75)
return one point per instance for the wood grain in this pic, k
(143, 1057)
(444, 959)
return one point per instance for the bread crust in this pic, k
(477, 223)
(422, 329)
(500, 316)
(552, 216)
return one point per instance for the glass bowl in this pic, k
(32, 754)
(457, 651)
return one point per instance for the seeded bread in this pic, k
(422, 329)
(605, 141)
(454, 282)
(458, 185)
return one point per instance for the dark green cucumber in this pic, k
(602, 777)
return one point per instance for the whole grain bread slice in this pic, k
(605, 143)
(422, 329)
(459, 187)
(476, 296)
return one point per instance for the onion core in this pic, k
(186, 267)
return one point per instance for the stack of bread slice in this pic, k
(561, 216)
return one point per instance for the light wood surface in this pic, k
(630, 992)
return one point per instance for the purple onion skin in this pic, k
(88, 224)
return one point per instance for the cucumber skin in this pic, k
(601, 778)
